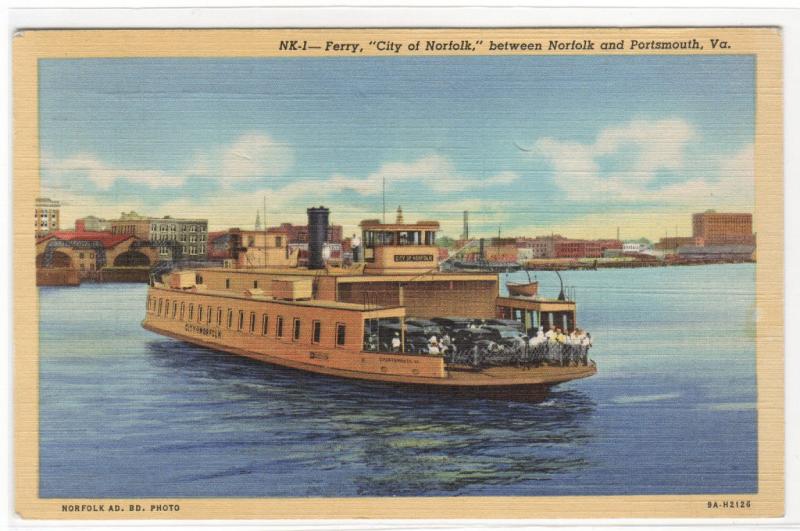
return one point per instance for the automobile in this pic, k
(512, 338)
(466, 338)
(452, 324)
(429, 327)
(509, 323)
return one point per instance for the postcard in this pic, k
(398, 273)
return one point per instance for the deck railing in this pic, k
(491, 354)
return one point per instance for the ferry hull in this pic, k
(502, 383)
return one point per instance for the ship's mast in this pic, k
(265, 231)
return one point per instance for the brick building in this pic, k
(721, 228)
(569, 248)
(177, 239)
(672, 243)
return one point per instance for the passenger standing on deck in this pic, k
(586, 344)
(536, 340)
(561, 339)
(445, 343)
(551, 334)
(396, 342)
(433, 346)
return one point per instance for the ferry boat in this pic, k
(350, 321)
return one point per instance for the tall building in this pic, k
(47, 217)
(176, 239)
(720, 228)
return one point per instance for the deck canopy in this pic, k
(536, 312)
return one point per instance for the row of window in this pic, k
(207, 314)
(158, 237)
(167, 251)
(174, 228)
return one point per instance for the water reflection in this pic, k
(394, 441)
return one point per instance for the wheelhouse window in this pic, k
(296, 329)
(252, 322)
(279, 326)
(264, 324)
(341, 334)
(316, 331)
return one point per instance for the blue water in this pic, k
(127, 413)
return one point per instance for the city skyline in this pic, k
(576, 145)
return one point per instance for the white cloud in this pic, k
(287, 202)
(251, 156)
(254, 155)
(433, 171)
(645, 148)
(103, 175)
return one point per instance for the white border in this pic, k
(187, 14)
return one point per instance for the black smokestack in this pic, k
(317, 234)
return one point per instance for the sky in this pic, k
(528, 145)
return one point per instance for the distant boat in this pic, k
(485, 266)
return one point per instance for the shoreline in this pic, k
(633, 264)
